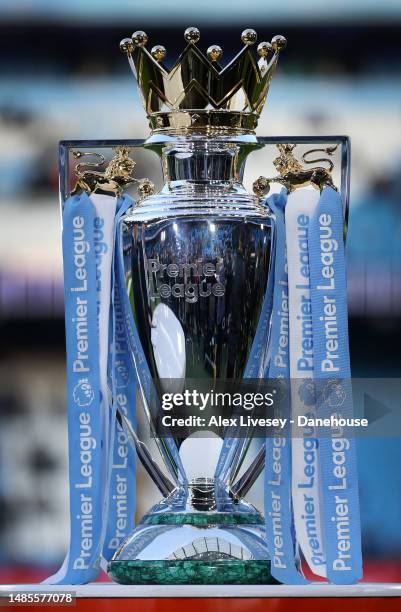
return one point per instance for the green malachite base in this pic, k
(203, 519)
(191, 572)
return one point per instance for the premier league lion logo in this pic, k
(334, 394)
(122, 375)
(83, 393)
(307, 392)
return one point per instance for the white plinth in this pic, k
(107, 590)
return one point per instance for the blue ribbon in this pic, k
(85, 430)
(102, 476)
(121, 480)
(278, 504)
(337, 455)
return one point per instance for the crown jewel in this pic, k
(197, 93)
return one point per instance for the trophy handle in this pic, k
(164, 485)
(249, 477)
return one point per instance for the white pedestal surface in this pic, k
(107, 590)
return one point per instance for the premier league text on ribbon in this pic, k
(306, 481)
(121, 455)
(328, 246)
(80, 248)
(80, 365)
(305, 361)
(340, 444)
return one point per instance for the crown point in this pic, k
(264, 49)
(126, 45)
(249, 37)
(214, 53)
(192, 35)
(139, 38)
(158, 52)
(279, 43)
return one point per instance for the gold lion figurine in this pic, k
(292, 174)
(114, 179)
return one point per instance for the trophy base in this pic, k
(191, 572)
(185, 540)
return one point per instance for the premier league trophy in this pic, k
(198, 262)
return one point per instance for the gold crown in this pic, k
(197, 93)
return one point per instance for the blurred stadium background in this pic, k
(62, 77)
